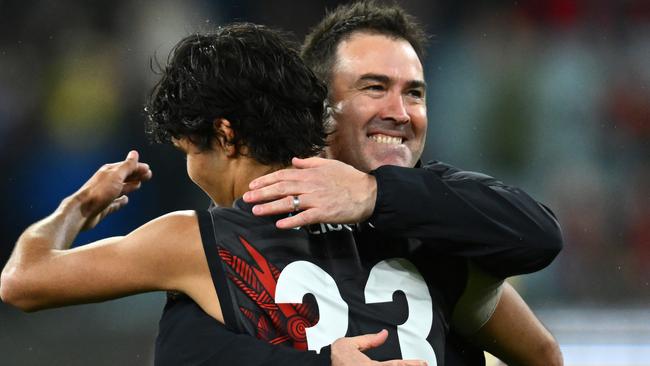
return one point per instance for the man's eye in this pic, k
(415, 93)
(374, 87)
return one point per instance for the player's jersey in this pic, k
(306, 288)
(498, 227)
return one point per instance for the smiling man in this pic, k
(378, 103)
(369, 55)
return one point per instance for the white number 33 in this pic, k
(397, 274)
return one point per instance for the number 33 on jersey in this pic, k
(386, 277)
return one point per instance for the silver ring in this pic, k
(296, 203)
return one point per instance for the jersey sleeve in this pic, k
(477, 302)
(500, 227)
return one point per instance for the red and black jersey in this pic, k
(431, 213)
(306, 288)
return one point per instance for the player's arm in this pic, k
(42, 272)
(516, 336)
(466, 214)
(39, 277)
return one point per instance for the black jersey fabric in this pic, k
(437, 208)
(359, 280)
(188, 336)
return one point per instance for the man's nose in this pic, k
(395, 109)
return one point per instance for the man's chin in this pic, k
(377, 155)
(392, 160)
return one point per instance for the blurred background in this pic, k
(552, 96)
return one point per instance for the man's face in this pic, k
(377, 91)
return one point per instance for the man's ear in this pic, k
(225, 136)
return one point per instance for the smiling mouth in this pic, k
(385, 139)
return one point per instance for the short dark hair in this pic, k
(319, 48)
(251, 76)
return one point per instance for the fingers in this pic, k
(129, 164)
(141, 173)
(132, 170)
(129, 187)
(304, 218)
(348, 351)
(281, 206)
(275, 177)
(132, 155)
(285, 182)
(308, 163)
(368, 341)
(278, 190)
(117, 204)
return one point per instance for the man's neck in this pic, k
(232, 186)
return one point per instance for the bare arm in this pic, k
(42, 272)
(516, 336)
(43, 245)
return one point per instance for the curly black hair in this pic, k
(319, 48)
(249, 75)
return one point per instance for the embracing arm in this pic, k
(500, 227)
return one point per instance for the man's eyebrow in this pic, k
(417, 84)
(375, 77)
(385, 79)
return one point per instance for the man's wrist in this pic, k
(377, 196)
(371, 196)
(82, 203)
(74, 211)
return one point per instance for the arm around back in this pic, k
(500, 227)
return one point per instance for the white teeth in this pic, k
(383, 139)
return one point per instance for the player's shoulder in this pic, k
(450, 173)
(169, 227)
(174, 220)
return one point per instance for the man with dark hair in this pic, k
(321, 44)
(369, 55)
(248, 75)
